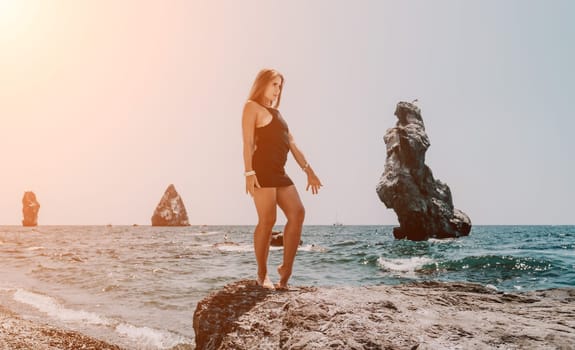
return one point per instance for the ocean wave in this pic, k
(312, 248)
(144, 337)
(493, 263)
(56, 310)
(206, 233)
(35, 248)
(232, 247)
(443, 240)
(72, 257)
(345, 243)
(150, 338)
(40, 269)
(236, 247)
(404, 266)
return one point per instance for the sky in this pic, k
(103, 104)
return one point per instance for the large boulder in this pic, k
(423, 205)
(423, 316)
(30, 208)
(171, 210)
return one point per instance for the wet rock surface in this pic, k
(428, 315)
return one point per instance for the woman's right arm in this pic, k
(249, 118)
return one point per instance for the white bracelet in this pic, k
(249, 173)
(305, 166)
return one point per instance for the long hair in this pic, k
(264, 77)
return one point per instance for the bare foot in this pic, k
(265, 283)
(284, 276)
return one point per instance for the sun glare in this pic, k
(16, 16)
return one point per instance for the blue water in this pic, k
(138, 286)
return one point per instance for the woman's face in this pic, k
(273, 90)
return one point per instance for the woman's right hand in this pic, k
(251, 184)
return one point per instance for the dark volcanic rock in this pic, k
(218, 314)
(278, 239)
(423, 316)
(30, 208)
(171, 210)
(423, 205)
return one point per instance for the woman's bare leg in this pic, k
(266, 206)
(290, 203)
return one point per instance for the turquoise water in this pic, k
(138, 286)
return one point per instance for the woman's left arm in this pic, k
(312, 179)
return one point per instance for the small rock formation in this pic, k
(423, 316)
(278, 239)
(423, 205)
(30, 208)
(171, 210)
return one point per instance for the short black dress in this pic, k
(270, 155)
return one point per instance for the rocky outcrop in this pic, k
(171, 210)
(30, 208)
(421, 316)
(278, 239)
(423, 205)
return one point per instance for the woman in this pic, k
(267, 141)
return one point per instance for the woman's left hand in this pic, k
(313, 182)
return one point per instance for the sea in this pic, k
(138, 286)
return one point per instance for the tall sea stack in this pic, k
(423, 205)
(171, 210)
(30, 208)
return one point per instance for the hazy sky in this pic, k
(103, 104)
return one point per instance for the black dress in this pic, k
(270, 155)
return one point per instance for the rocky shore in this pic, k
(16, 334)
(430, 315)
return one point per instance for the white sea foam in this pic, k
(231, 247)
(206, 233)
(406, 266)
(490, 286)
(312, 248)
(56, 310)
(442, 241)
(35, 248)
(145, 337)
(149, 338)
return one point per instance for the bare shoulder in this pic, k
(252, 106)
(251, 113)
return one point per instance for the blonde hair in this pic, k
(264, 77)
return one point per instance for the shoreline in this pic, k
(17, 333)
(425, 315)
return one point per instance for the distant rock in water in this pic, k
(171, 210)
(423, 205)
(30, 208)
(278, 239)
